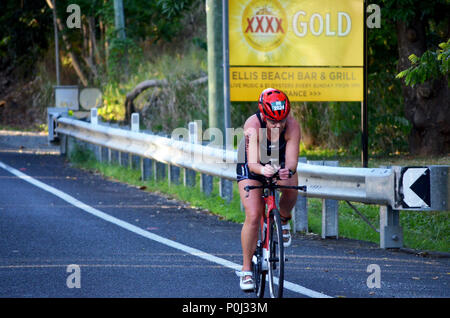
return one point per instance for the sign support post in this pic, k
(226, 76)
(364, 115)
(215, 65)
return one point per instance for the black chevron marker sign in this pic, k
(416, 187)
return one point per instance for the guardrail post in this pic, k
(159, 170)
(190, 175)
(391, 233)
(53, 113)
(94, 116)
(113, 156)
(134, 162)
(130, 161)
(71, 142)
(226, 189)
(98, 153)
(206, 184)
(105, 154)
(300, 211)
(123, 159)
(146, 171)
(330, 212)
(330, 224)
(174, 174)
(63, 144)
(135, 122)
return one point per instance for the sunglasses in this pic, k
(273, 122)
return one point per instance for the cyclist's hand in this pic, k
(268, 171)
(284, 174)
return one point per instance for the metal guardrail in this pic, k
(393, 188)
(207, 160)
(372, 186)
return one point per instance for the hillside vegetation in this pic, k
(166, 40)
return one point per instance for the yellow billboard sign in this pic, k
(297, 33)
(299, 83)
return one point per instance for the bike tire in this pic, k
(276, 256)
(259, 273)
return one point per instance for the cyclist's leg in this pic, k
(254, 207)
(288, 199)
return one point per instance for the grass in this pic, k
(421, 230)
(213, 203)
(428, 230)
(41, 128)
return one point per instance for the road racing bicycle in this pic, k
(268, 259)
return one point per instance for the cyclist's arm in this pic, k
(251, 146)
(251, 130)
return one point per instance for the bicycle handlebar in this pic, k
(270, 184)
(274, 186)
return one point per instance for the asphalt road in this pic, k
(71, 233)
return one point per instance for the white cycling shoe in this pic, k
(246, 284)
(287, 238)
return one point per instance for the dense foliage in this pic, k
(432, 64)
(166, 39)
(26, 27)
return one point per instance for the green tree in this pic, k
(24, 34)
(95, 50)
(420, 26)
(431, 65)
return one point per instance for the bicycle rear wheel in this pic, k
(276, 257)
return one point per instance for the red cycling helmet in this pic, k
(274, 104)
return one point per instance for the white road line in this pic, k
(137, 230)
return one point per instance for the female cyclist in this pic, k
(272, 140)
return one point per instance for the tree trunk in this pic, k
(426, 105)
(88, 48)
(93, 37)
(131, 96)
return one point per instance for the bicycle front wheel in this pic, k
(259, 271)
(259, 275)
(276, 257)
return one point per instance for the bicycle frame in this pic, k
(269, 198)
(270, 202)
